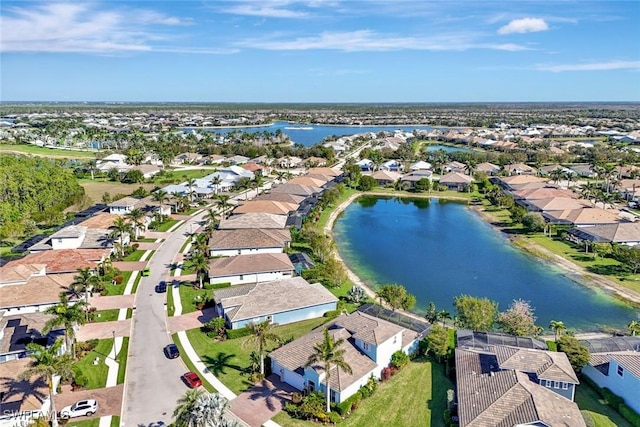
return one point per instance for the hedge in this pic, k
(345, 407)
(238, 333)
(629, 414)
(218, 285)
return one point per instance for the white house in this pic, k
(368, 343)
(250, 268)
(123, 206)
(247, 241)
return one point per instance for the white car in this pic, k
(79, 409)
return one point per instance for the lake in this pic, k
(316, 134)
(440, 249)
(447, 148)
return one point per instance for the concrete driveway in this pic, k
(111, 302)
(190, 320)
(102, 330)
(262, 402)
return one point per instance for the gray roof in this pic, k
(296, 189)
(622, 232)
(125, 201)
(547, 365)
(490, 397)
(253, 220)
(268, 298)
(249, 264)
(249, 238)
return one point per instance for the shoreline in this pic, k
(586, 278)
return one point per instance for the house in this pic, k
(582, 217)
(75, 237)
(420, 165)
(583, 170)
(64, 260)
(554, 204)
(253, 220)
(455, 166)
(520, 182)
(246, 241)
(488, 168)
(265, 206)
(147, 170)
(254, 268)
(307, 180)
(368, 345)
(456, 181)
(548, 192)
(548, 169)
(315, 162)
(289, 162)
(623, 233)
(509, 386)
(297, 189)
(238, 160)
(386, 177)
(116, 158)
(619, 371)
(415, 176)
(281, 197)
(520, 169)
(19, 329)
(23, 400)
(326, 171)
(365, 164)
(189, 158)
(280, 302)
(123, 206)
(392, 166)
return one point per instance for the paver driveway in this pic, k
(262, 402)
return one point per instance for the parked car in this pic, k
(161, 287)
(80, 409)
(171, 351)
(192, 379)
(632, 205)
(146, 271)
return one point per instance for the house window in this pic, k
(365, 346)
(556, 384)
(241, 277)
(311, 386)
(550, 384)
(620, 371)
(395, 339)
(565, 386)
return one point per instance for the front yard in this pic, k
(416, 396)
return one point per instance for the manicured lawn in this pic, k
(122, 360)
(96, 374)
(604, 416)
(119, 289)
(176, 176)
(165, 226)
(188, 295)
(94, 422)
(49, 152)
(416, 396)
(170, 308)
(324, 216)
(106, 315)
(134, 256)
(190, 366)
(134, 289)
(115, 421)
(228, 359)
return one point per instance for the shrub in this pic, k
(331, 314)
(217, 285)
(369, 388)
(118, 280)
(613, 400)
(349, 404)
(588, 419)
(238, 333)
(386, 374)
(296, 397)
(629, 414)
(80, 381)
(399, 359)
(334, 417)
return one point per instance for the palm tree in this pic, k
(208, 409)
(201, 266)
(261, 334)
(222, 200)
(256, 183)
(212, 217)
(119, 229)
(329, 353)
(443, 315)
(67, 315)
(185, 405)
(161, 197)
(48, 363)
(201, 244)
(634, 328)
(136, 218)
(191, 183)
(215, 183)
(557, 326)
(81, 284)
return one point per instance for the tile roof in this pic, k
(266, 298)
(629, 360)
(21, 395)
(20, 272)
(543, 193)
(37, 290)
(265, 206)
(101, 220)
(297, 189)
(558, 203)
(125, 201)
(249, 264)
(64, 260)
(307, 180)
(368, 328)
(621, 232)
(281, 197)
(249, 238)
(583, 216)
(547, 365)
(506, 398)
(253, 220)
(455, 178)
(326, 171)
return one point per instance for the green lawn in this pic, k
(134, 256)
(190, 366)
(176, 176)
(324, 216)
(416, 396)
(134, 289)
(228, 359)
(48, 152)
(119, 289)
(604, 416)
(94, 422)
(106, 315)
(96, 374)
(170, 308)
(188, 295)
(165, 226)
(122, 360)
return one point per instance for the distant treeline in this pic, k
(33, 189)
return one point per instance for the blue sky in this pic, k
(320, 51)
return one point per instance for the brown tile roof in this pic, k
(547, 365)
(101, 220)
(20, 273)
(543, 193)
(584, 216)
(37, 290)
(253, 220)
(368, 328)
(64, 260)
(281, 197)
(620, 232)
(297, 189)
(629, 360)
(558, 203)
(249, 238)
(125, 201)
(386, 176)
(307, 180)
(249, 264)
(456, 178)
(506, 398)
(265, 206)
(266, 298)
(26, 395)
(522, 179)
(326, 171)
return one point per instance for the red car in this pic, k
(192, 379)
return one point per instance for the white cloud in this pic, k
(524, 25)
(594, 66)
(367, 40)
(78, 27)
(266, 9)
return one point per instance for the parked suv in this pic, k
(171, 351)
(161, 287)
(79, 409)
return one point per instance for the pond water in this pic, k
(447, 148)
(311, 134)
(439, 250)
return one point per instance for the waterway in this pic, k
(441, 249)
(301, 134)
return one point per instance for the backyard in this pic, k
(603, 415)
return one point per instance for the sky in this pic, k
(334, 51)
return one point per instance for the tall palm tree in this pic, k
(201, 265)
(161, 197)
(191, 183)
(82, 283)
(557, 326)
(120, 228)
(212, 217)
(243, 184)
(256, 183)
(443, 315)
(48, 363)
(215, 183)
(329, 354)
(634, 328)
(201, 244)
(67, 315)
(136, 218)
(185, 405)
(222, 200)
(261, 334)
